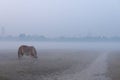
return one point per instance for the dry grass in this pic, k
(51, 63)
(4, 78)
(114, 65)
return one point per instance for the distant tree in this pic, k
(42, 37)
(22, 35)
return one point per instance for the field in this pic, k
(114, 65)
(50, 65)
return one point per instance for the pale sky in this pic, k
(61, 17)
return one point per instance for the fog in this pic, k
(62, 45)
(56, 60)
(59, 31)
(61, 17)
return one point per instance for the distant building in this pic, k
(2, 31)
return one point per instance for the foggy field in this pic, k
(74, 39)
(114, 65)
(59, 61)
(50, 65)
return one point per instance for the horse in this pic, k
(27, 50)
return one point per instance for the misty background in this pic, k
(60, 20)
(54, 18)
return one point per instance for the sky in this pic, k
(54, 18)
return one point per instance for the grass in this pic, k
(50, 63)
(114, 65)
(4, 78)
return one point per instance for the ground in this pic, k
(114, 65)
(51, 64)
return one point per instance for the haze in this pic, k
(60, 17)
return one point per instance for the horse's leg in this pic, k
(34, 53)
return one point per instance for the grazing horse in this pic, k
(27, 50)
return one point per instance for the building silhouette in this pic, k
(2, 31)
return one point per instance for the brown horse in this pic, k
(27, 50)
